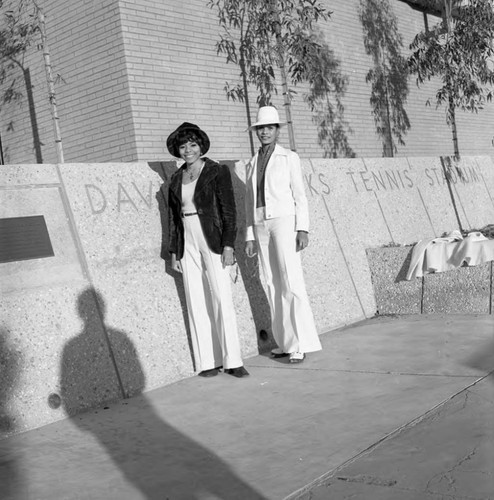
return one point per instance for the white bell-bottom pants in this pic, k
(212, 320)
(292, 321)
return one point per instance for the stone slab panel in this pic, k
(393, 183)
(116, 209)
(484, 164)
(116, 213)
(335, 295)
(435, 199)
(466, 290)
(22, 175)
(349, 216)
(64, 266)
(473, 198)
(54, 353)
(394, 295)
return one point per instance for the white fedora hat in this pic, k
(267, 115)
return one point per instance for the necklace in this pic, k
(192, 173)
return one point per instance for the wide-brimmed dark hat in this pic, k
(171, 142)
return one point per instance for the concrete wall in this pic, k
(465, 290)
(76, 327)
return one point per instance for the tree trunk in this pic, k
(288, 107)
(51, 85)
(454, 130)
(447, 16)
(284, 83)
(247, 103)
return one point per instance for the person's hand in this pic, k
(302, 240)
(250, 248)
(176, 266)
(228, 257)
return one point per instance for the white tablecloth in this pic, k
(437, 255)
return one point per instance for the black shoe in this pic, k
(237, 372)
(209, 373)
(278, 353)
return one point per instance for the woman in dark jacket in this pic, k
(202, 217)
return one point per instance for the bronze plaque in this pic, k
(24, 238)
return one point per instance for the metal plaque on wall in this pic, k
(24, 238)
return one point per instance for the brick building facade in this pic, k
(131, 72)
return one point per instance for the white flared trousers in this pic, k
(292, 321)
(212, 320)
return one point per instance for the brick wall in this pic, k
(177, 76)
(134, 71)
(24, 129)
(94, 102)
(85, 40)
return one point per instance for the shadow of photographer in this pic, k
(10, 467)
(155, 458)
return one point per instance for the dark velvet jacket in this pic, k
(215, 203)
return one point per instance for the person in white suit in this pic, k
(277, 222)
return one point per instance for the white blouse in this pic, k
(188, 197)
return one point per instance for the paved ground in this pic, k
(391, 409)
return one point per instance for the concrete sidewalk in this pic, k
(392, 408)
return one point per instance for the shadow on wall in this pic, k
(156, 459)
(249, 269)
(15, 95)
(165, 170)
(402, 273)
(327, 88)
(389, 76)
(10, 471)
(100, 363)
(451, 172)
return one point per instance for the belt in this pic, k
(189, 214)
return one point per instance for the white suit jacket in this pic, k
(284, 190)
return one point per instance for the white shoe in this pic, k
(297, 357)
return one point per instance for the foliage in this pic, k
(459, 52)
(389, 76)
(327, 87)
(17, 34)
(263, 35)
(24, 26)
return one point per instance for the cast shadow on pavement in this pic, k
(249, 267)
(10, 468)
(483, 358)
(155, 458)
